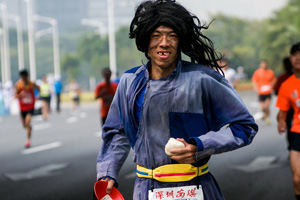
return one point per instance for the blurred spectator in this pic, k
(240, 73)
(8, 95)
(2, 111)
(58, 88)
(229, 73)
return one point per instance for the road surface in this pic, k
(61, 164)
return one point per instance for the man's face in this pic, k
(263, 64)
(295, 60)
(24, 78)
(163, 47)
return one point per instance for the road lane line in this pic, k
(98, 134)
(72, 120)
(41, 126)
(258, 115)
(254, 104)
(130, 175)
(38, 118)
(42, 148)
(83, 115)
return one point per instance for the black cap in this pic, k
(295, 47)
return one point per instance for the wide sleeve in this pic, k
(115, 146)
(230, 125)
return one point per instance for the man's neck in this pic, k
(297, 73)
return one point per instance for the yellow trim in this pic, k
(172, 172)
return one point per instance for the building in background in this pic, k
(69, 13)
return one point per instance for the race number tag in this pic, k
(185, 192)
(27, 98)
(265, 88)
(107, 197)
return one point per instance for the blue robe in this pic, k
(194, 102)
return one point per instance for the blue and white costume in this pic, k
(194, 102)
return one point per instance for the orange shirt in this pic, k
(263, 80)
(289, 95)
(108, 92)
(27, 100)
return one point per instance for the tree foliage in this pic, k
(244, 42)
(70, 64)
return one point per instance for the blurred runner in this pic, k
(229, 73)
(105, 92)
(74, 93)
(288, 71)
(24, 91)
(263, 81)
(45, 96)
(289, 96)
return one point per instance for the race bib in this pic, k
(176, 193)
(27, 98)
(107, 197)
(265, 88)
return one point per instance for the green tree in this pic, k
(283, 30)
(236, 39)
(70, 64)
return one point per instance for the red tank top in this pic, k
(27, 100)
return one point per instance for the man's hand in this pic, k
(281, 117)
(281, 126)
(184, 155)
(110, 185)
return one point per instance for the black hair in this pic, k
(287, 65)
(151, 14)
(264, 60)
(23, 72)
(105, 70)
(295, 47)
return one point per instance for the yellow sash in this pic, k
(172, 172)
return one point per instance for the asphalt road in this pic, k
(61, 164)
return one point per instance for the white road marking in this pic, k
(42, 148)
(83, 115)
(129, 176)
(260, 163)
(41, 126)
(98, 134)
(38, 118)
(48, 170)
(72, 120)
(254, 104)
(258, 115)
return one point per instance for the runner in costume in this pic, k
(168, 97)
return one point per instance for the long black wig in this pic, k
(151, 14)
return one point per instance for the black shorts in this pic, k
(76, 99)
(294, 141)
(262, 98)
(25, 113)
(47, 99)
